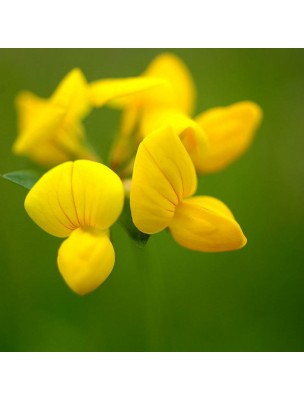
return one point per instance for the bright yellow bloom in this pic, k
(50, 130)
(220, 136)
(177, 94)
(79, 200)
(175, 89)
(189, 131)
(163, 183)
(132, 93)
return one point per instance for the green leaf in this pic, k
(125, 220)
(26, 178)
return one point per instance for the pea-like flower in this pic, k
(51, 130)
(79, 201)
(214, 139)
(134, 92)
(163, 183)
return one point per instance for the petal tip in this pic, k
(85, 260)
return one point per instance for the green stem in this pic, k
(152, 302)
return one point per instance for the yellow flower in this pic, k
(79, 200)
(163, 183)
(132, 92)
(177, 92)
(214, 139)
(50, 130)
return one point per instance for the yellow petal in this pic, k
(105, 90)
(74, 144)
(99, 192)
(196, 143)
(153, 118)
(85, 260)
(206, 224)
(171, 68)
(72, 94)
(54, 145)
(163, 174)
(50, 131)
(75, 194)
(50, 202)
(47, 154)
(177, 89)
(32, 108)
(28, 107)
(45, 120)
(129, 120)
(230, 131)
(190, 132)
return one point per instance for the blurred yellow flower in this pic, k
(132, 92)
(214, 139)
(79, 200)
(50, 130)
(179, 91)
(177, 94)
(163, 183)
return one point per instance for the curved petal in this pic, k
(105, 90)
(196, 143)
(85, 260)
(230, 131)
(192, 135)
(72, 94)
(99, 192)
(75, 194)
(176, 89)
(163, 174)
(156, 117)
(206, 224)
(50, 204)
(171, 68)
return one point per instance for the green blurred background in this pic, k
(165, 297)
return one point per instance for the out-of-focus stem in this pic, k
(152, 299)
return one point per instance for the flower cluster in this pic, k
(154, 161)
